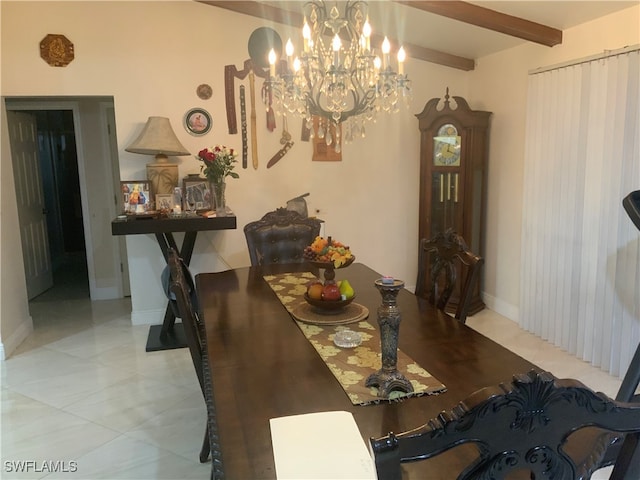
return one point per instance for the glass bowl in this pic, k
(347, 339)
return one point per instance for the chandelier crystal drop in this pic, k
(337, 76)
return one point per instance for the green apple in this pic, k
(346, 290)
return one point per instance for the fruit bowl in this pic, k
(329, 265)
(328, 305)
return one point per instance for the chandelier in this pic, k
(337, 76)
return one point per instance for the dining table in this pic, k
(263, 366)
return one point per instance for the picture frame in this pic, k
(196, 194)
(164, 201)
(136, 196)
(197, 121)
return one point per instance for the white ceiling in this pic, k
(413, 26)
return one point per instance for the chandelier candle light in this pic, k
(338, 76)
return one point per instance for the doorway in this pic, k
(79, 168)
(61, 189)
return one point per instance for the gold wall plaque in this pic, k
(56, 50)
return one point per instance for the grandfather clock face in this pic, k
(446, 146)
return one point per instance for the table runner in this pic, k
(351, 366)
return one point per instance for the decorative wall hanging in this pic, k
(56, 50)
(261, 41)
(204, 91)
(197, 121)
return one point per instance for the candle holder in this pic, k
(388, 378)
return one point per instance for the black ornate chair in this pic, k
(523, 425)
(184, 292)
(280, 237)
(440, 259)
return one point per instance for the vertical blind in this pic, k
(580, 275)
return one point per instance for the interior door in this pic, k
(30, 202)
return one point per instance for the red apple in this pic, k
(331, 292)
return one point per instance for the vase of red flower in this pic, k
(218, 163)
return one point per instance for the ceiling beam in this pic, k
(295, 19)
(492, 20)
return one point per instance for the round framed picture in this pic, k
(197, 121)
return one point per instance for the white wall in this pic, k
(499, 84)
(151, 56)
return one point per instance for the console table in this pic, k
(170, 335)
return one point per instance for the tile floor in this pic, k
(82, 389)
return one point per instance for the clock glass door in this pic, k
(446, 201)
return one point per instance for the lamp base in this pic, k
(163, 178)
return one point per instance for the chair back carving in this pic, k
(280, 237)
(521, 425)
(182, 287)
(439, 261)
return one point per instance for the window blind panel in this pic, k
(547, 193)
(580, 275)
(594, 108)
(580, 132)
(564, 266)
(617, 75)
(530, 277)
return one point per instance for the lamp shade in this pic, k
(157, 138)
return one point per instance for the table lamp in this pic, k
(158, 138)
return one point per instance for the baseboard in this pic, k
(147, 317)
(11, 343)
(503, 308)
(109, 293)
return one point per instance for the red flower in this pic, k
(218, 162)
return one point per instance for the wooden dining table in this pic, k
(263, 367)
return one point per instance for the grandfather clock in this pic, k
(453, 175)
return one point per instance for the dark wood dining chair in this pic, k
(280, 237)
(196, 340)
(525, 425)
(441, 260)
